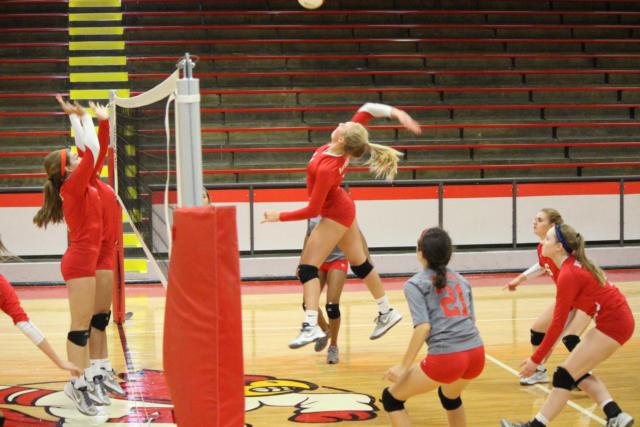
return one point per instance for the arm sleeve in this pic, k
(534, 271)
(568, 287)
(78, 132)
(103, 139)
(31, 331)
(90, 138)
(417, 303)
(324, 180)
(9, 302)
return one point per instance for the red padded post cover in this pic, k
(203, 321)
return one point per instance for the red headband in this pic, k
(63, 162)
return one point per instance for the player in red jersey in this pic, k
(578, 321)
(581, 285)
(10, 304)
(338, 225)
(69, 197)
(100, 372)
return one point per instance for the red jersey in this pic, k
(110, 207)
(578, 288)
(9, 302)
(325, 173)
(81, 206)
(548, 264)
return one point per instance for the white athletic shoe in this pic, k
(507, 423)
(622, 420)
(81, 400)
(384, 322)
(97, 392)
(110, 382)
(539, 376)
(321, 344)
(308, 334)
(333, 355)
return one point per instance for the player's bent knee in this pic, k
(570, 341)
(362, 270)
(79, 338)
(333, 311)
(390, 403)
(582, 378)
(100, 321)
(449, 404)
(536, 337)
(563, 379)
(307, 272)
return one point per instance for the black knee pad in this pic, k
(333, 311)
(582, 378)
(79, 338)
(100, 320)
(307, 272)
(570, 341)
(449, 404)
(563, 379)
(390, 403)
(362, 270)
(536, 337)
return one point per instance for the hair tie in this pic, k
(63, 161)
(562, 240)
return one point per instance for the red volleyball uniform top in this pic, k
(548, 265)
(325, 173)
(578, 288)
(110, 207)
(9, 302)
(82, 207)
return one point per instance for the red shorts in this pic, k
(449, 367)
(112, 213)
(617, 324)
(339, 264)
(341, 209)
(107, 256)
(77, 263)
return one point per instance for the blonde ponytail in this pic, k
(383, 161)
(576, 243)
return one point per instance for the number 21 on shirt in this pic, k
(453, 303)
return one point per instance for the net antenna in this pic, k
(133, 139)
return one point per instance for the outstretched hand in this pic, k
(68, 366)
(270, 216)
(102, 113)
(67, 107)
(407, 121)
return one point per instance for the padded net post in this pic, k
(203, 323)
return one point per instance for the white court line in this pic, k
(546, 390)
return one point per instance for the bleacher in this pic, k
(502, 87)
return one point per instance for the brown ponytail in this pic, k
(51, 210)
(436, 248)
(577, 244)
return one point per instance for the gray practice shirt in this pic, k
(449, 311)
(336, 254)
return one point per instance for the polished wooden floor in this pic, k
(286, 383)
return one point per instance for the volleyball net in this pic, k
(193, 249)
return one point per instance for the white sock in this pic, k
(104, 364)
(78, 382)
(383, 304)
(311, 317)
(541, 418)
(541, 368)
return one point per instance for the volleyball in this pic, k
(311, 4)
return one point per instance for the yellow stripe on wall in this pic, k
(99, 77)
(101, 45)
(97, 61)
(96, 31)
(94, 3)
(81, 17)
(130, 240)
(137, 265)
(96, 93)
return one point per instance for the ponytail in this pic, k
(576, 243)
(435, 246)
(5, 255)
(51, 210)
(383, 161)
